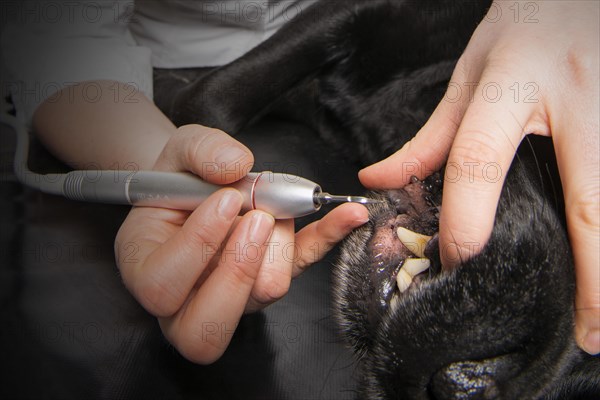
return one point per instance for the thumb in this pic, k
(428, 150)
(209, 153)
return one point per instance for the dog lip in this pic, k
(386, 257)
(413, 208)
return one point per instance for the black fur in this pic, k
(367, 74)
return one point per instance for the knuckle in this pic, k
(474, 159)
(458, 253)
(125, 251)
(588, 303)
(157, 297)
(496, 65)
(579, 67)
(243, 272)
(463, 62)
(197, 145)
(479, 147)
(416, 167)
(584, 209)
(458, 244)
(495, 62)
(462, 70)
(198, 347)
(271, 290)
(304, 259)
(453, 118)
(204, 237)
(184, 146)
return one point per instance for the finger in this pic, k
(275, 274)
(316, 239)
(209, 153)
(587, 299)
(164, 278)
(484, 147)
(421, 156)
(203, 329)
(288, 257)
(428, 150)
(578, 161)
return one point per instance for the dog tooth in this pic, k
(414, 266)
(395, 301)
(403, 280)
(413, 241)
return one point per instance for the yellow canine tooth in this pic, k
(411, 268)
(414, 266)
(403, 280)
(415, 242)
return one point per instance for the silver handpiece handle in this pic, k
(282, 195)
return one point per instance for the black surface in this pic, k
(70, 329)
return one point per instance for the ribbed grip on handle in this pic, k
(72, 186)
(104, 186)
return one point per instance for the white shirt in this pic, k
(47, 45)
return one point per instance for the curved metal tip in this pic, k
(363, 200)
(326, 198)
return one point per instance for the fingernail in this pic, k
(361, 221)
(229, 205)
(261, 226)
(226, 156)
(591, 342)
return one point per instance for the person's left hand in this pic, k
(530, 68)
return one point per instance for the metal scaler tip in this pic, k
(326, 198)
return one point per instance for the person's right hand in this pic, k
(199, 271)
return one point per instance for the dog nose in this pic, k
(465, 380)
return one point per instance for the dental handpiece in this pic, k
(281, 195)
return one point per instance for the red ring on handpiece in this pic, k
(252, 197)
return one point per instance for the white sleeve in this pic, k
(49, 44)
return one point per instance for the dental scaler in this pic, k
(281, 195)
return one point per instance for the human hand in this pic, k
(530, 67)
(199, 271)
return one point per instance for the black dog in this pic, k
(367, 74)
